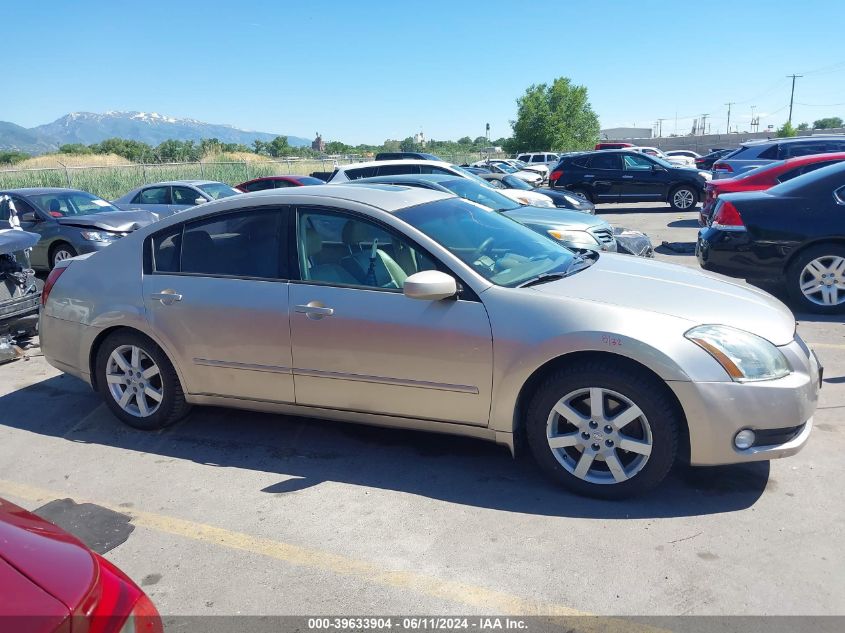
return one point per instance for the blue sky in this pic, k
(367, 70)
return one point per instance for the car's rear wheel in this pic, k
(816, 279)
(60, 252)
(138, 382)
(603, 431)
(683, 198)
(581, 193)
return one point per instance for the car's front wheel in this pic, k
(61, 252)
(138, 382)
(816, 279)
(683, 198)
(602, 430)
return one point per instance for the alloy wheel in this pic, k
(61, 255)
(134, 381)
(823, 280)
(599, 435)
(683, 198)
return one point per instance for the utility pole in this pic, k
(703, 121)
(792, 96)
(729, 104)
(660, 126)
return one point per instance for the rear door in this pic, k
(216, 292)
(603, 176)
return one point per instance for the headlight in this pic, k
(97, 236)
(573, 200)
(745, 356)
(575, 237)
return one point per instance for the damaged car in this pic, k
(20, 290)
(69, 222)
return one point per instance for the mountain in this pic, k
(149, 127)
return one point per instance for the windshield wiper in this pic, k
(541, 279)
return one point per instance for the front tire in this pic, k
(816, 279)
(60, 252)
(683, 198)
(602, 430)
(138, 382)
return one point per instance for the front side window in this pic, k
(346, 250)
(185, 195)
(217, 190)
(633, 162)
(153, 195)
(241, 244)
(499, 249)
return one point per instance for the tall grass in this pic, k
(112, 181)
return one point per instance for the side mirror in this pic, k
(29, 216)
(200, 201)
(430, 285)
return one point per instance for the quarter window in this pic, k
(344, 250)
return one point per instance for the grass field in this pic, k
(111, 180)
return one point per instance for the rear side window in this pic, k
(806, 169)
(398, 170)
(604, 161)
(580, 161)
(153, 195)
(790, 150)
(246, 244)
(770, 153)
(360, 172)
(524, 158)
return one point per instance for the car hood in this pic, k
(544, 216)
(696, 296)
(119, 221)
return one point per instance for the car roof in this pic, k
(396, 161)
(435, 178)
(390, 198)
(35, 191)
(793, 139)
(181, 182)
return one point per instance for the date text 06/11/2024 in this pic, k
(417, 623)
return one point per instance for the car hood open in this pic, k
(118, 221)
(696, 296)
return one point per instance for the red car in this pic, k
(763, 178)
(613, 145)
(51, 583)
(277, 182)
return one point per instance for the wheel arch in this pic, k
(796, 252)
(674, 186)
(530, 386)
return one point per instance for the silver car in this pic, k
(414, 308)
(167, 198)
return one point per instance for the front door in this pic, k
(359, 344)
(644, 180)
(217, 295)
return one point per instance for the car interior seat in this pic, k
(366, 261)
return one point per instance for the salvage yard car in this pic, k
(70, 222)
(413, 308)
(167, 198)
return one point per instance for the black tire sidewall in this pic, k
(793, 278)
(678, 188)
(646, 393)
(172, 400)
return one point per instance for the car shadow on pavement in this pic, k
(306, 452)
(618, 208)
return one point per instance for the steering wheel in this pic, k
(483, 248)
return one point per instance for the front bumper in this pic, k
(717, 411)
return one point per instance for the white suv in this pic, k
(543, 158)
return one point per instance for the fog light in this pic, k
(744, 439)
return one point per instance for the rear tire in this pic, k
(815, 280)
(582, 193)
(138, 382)
(596, 450)
(683, 198)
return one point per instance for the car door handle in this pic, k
(627, 176)
(589, 176)
(313, 310)
(167, 297)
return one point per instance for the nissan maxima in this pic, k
(413, 308)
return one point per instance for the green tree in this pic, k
(279, 147)
(803, 127)
(465, 140)
(173, 151)
(336, 147)
(136, 151)
(829, 122)
(409, 145)
(785, 130)
(74, 148)
(10, 157)
(556, 117)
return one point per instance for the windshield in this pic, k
(661, 162)
(63, 204)
(515, 183)
(485, 195)
(508, 169)
(218, 190)
(499, 249)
